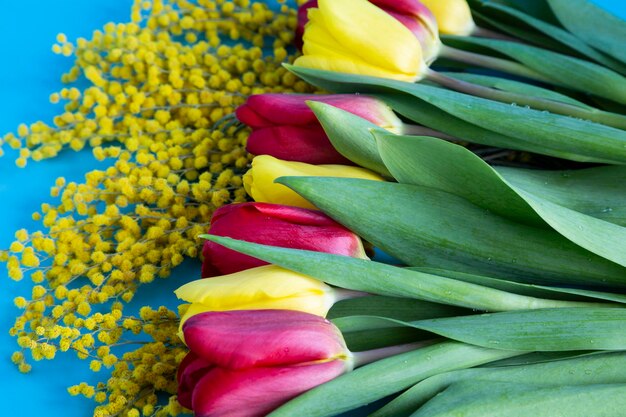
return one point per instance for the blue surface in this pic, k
(28, 75)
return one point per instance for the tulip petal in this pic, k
(256, 392)
(282, 109)
(370, 33)
(321, 51)
(190, 371)
(276, 225)
(247, 338)
(295, 215)
(265, 287)
(250, 116)
(259, 180)
(453, 16)
(307, 143)
(271, 110)
(349, 66)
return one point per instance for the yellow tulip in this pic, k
(259, 180)
(453, 16)
(355, 36)
(264, 287)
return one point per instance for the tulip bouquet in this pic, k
(430, 221)
(504, 291)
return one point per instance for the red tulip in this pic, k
(411, 13)
(284, 127)
(246, 363)
(276, 225)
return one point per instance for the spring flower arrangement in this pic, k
(478, 147)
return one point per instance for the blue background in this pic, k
(29, 73)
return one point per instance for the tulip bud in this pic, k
(284, 126)
(453, 16)
(411, 13)
(355, 36)
(259, 180)
(247, 363)
(275, 225)
(261, 288)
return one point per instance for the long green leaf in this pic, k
(378, 278)
(367, 339)
(555, 329)
(539, 291)
(592, 24)
(532, 330)
(452, 168)
(515, 400)
(517, 31)
(598, 192)
(426, 227)
(533, 130)
(393, 307)
(554, 32)
(350, 135)
(536, 8)
(515, 87)
(576, 74)
(385, 377)
(607, 368)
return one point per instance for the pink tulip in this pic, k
(411, 13)
(276, 225)
(246, 363)
(284, 127)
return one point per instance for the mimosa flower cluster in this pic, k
(156, 108)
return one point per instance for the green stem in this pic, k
(491, 62)
(594, 115)
(369, 356)
(344, 294)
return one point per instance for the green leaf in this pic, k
(483, 121)
(367, 339)
(539, 291)
(592, 24)
(536, 8)
(452, 168)
(406, 309)
(551, 330)
(385, 377)
(431, 162)
(599, 192)
(574, 73)
(515, 400)
(425, 227)
(554, 32)
(537, 330)
(350, 136)
(515, 87)
(606, 368)
(516, 30)
(379, 278)
(393, 307)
